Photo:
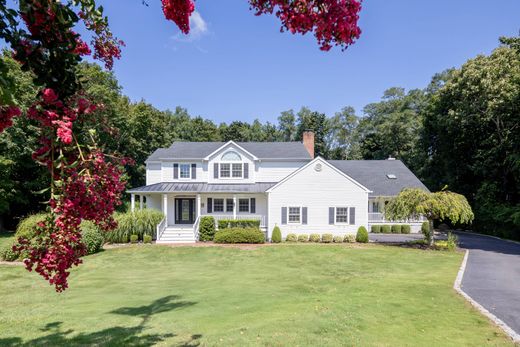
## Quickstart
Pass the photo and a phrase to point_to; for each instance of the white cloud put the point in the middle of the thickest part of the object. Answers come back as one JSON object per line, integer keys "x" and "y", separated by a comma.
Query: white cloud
{"x": 198, "y": 28}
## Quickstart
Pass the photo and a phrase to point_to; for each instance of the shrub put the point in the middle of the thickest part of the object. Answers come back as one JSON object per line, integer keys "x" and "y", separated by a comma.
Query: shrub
{"x": 350, "y": 238}
{"x": 326, "y": 238}
{"x": 449, "y": 245}
{"x": 376, "y": 229}
{"x": 139, "y": 222}
{"x": 277, "y": 235}
{"x": 92, "y": 237}
{"x": 337, "y": 239}
{"x": 425, "y": 229}
{"x": 362, "y": 235}
{"x": 134, "y": 238}
{"x": 314, "y": 238}
{"x": 206, "y": 228}
{"x": 7, "y": 253}
{"x": 406, "y": 229}
{"x": 238, "y": 223}
{"x": 303, "y": 238}
{"x": 26, "y": 227}
{"x": 396, "y": 229}
{"x": 147, "y": 238}
{"x": 239, "y": 235}
{"x": 385, "y": 229}
{"x": 291, "y": 238}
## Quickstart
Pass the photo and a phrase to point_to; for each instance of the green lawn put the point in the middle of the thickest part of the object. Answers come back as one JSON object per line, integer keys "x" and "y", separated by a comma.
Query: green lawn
{"x": 306, "y": 295}
{"x": 6, "y": 239}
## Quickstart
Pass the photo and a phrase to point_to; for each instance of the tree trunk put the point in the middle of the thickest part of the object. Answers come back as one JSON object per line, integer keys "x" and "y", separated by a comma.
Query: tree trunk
{"x": 430, "y": 226}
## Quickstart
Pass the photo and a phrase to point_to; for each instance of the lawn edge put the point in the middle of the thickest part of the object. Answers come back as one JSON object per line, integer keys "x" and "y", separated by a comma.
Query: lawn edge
{"x": 458, "y": 288}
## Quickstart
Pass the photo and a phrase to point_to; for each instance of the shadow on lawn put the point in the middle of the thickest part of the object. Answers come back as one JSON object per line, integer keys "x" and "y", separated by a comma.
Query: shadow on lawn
{"x": 115, "y": 336}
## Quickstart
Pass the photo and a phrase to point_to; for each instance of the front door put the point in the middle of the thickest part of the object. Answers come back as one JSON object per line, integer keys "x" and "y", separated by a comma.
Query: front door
{"x": 184, "y": 211}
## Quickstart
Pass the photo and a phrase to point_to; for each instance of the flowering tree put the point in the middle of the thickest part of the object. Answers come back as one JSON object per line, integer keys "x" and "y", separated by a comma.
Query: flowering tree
{"x": 86, "y": 183}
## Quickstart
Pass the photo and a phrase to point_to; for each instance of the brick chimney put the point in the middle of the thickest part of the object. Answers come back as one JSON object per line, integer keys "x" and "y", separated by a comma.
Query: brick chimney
{"x": 308, "y": 142}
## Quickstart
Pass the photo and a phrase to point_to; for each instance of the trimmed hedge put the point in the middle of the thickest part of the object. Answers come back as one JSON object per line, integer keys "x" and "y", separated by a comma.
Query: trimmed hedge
{"x": 139, "y": 222}
{"x": 406, "y": 229}
{"x": 291, "y": 238}
{"x": 238, "y": 223}
{"x": 277, "y": 235}
{"x": 396, "y": 229}
{"x": 147, "y": 238}
{"x": 362, "y": 235}
{"x": 207, "y": 228}
{"x": 350, "y": 238}
{"x": 303, "y": 238}
{"x": 425, "y": 229}
{"x": 92, "y": 237}
{"x": 239, "y": 235}
{"x": 315, "y": 238}
{"x": 385, "y": 229}
{"x": 326, "y": 238}
{"x": 338, "y": 239}
{"x": 27, "y": 225}
{"x": 134, "y": 238}
{"x": 376, "y": 229}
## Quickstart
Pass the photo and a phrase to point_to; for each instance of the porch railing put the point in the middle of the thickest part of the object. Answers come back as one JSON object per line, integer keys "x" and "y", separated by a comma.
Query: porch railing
{"x": 262, "y": 218}
{"x": 196, "y": 228}
{"x": 378, "y": 217}
{"x": 160, "y": 228}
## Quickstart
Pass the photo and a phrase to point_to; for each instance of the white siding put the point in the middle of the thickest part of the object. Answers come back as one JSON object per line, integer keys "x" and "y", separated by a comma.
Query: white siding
{"x": 153, "y": 173}
{"x": 275, "y": 171}
{"x": 216, "y": 158}
{"x": 318, "y": 190}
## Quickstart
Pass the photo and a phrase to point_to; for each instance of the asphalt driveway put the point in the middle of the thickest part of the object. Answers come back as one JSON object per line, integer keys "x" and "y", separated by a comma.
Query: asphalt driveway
{"x": 492, "y": 276}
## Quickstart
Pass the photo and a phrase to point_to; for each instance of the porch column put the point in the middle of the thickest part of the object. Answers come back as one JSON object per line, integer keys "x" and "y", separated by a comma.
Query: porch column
{"x": 141, "y": 202}
{"x": 198, "y": 206}
{"x": 132, "y": 202}
{"x": 165, "y": 207}
{"x": 234, "y": 206}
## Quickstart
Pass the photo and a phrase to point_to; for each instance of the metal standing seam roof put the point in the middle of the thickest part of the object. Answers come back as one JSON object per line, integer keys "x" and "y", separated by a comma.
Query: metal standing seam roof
{"x": 373, "y": 175}
{"x": 170, "y": 187}
{"x": 262, "y": 150}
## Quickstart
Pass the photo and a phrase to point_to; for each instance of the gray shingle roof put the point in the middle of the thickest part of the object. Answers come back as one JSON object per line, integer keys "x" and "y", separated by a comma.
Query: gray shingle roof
{"x": 167, "y": 187}
{"x": 262, "y": 150}
{"x": 373, "y": 175}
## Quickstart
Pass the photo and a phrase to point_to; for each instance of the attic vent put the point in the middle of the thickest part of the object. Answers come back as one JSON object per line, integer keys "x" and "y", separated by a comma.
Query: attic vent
{"x": 391, "y": 176}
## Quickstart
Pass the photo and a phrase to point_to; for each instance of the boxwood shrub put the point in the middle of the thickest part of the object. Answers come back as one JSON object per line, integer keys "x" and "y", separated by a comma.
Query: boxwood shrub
{"x": 362, "y": 235}
{"x": 376, "y": 229}
{"x": 277, "y": 235}
{"x": 406, "y": 229}
{"x": 147, "y": 238}
{"x": 303, "y": 238}
{"x": 350, "y": 238}
{"x": 239, "y": 235}
{"x": 238, "y": 223}
{"x": 291, "y": 238}
{"x": 385, "y": 229}
{"x": 315, "y": 238}
{"x": 92, "y": 237}
{"x": 338, "y": 239}
{"x": 134, "y": 238}
{"x": 396, "y": 229}
{"x": 326, "y": 238}
{"x": 206, "y": 228}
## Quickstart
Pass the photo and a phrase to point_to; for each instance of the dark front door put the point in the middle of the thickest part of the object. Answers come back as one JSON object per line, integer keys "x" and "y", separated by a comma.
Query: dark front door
{"x": 184, "y": 211}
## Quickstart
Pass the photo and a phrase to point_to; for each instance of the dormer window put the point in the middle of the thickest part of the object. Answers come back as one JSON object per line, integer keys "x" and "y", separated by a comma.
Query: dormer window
{"x": 231, "y": 156}
{"x": 231, "y": 166}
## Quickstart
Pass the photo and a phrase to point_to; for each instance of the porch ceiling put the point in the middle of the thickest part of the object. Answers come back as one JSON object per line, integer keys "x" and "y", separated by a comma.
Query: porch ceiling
{"x": 169, "y": 187}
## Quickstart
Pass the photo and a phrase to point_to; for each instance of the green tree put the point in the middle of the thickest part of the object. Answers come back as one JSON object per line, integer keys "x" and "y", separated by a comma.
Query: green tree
{"x": 236, "y": 131}
{"x": 287, "y": 125}
{"x": 339, "y": 138}
{"x": 316, "y": 122}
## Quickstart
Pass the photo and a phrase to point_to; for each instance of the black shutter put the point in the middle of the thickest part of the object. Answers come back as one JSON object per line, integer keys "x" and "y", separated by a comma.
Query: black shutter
{"x": 331, "y": 215}
{"x": 215, "y": 170}
{"x": 252, "y": 206}
{"x": 246, "y": 170}
{"x": 304, "y": 215}
{"x": 210, "y": 205}
{"x": 352, "y": 215}
{"x": 284, "y": 215}
{"x": 175, "y": 171}
{"x": 193, "y": 171}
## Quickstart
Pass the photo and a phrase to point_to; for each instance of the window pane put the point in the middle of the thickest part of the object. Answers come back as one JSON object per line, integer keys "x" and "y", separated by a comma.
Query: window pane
{"x": 237, "y": 170}
{"x": 229, "y": 205}
{"x": 218, "y": 205}
{"x": 225, "y": 170}
{"x": 243, "y": 205}
{"x": 231, "y": 156}
{"x": 185, "y": 171}
{"x": 341, "y": 214}
{"x": 294, "y": 214}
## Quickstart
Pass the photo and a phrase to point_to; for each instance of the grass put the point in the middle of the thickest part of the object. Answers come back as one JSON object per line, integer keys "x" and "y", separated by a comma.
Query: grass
{"x": 6, "y": 238}
{"x": 306, "y": 295}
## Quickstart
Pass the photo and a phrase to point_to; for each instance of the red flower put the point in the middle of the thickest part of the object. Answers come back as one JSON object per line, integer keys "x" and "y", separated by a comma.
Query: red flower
{"x": 6, "y": 116}
{"x": 49, "y": 96}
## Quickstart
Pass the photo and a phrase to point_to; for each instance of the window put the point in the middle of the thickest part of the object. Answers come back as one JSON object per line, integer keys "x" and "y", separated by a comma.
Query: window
{"x": 218, "y": 205}
{"x": 243, "y": 205}
{"x": 341, "y": 214}
{"x": 229, "y": 205}
{"x": 225, "y": 170}
{"x": 375, "y": 207}
{"x": 237, "y": 170}
{"x": 185, "y": 170}
{"x": 231, "y": 156}
{"x": 391, "y": 176}
{"x": 294, "y": 215}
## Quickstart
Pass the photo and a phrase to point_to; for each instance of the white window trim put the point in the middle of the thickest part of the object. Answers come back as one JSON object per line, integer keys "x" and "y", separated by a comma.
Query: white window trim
{"x": 230, "y": 170}
{"x": 336, "y": 215}
{"x": 248, "y": 205}
{"x": 300, "y": 219}
{"x": 189, "y": 172}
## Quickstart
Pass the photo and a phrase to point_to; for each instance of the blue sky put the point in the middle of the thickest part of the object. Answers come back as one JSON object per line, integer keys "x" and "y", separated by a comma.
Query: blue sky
{"x": 236, "y": 66}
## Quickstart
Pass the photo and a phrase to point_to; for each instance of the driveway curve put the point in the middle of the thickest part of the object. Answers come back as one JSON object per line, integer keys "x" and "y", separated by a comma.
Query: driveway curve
{"x": 492, "y": 276}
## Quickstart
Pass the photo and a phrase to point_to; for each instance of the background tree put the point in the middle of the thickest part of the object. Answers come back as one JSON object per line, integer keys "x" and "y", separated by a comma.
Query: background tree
{"x": 341, "y": 144}
{"x": 316, "y": 122}
{"x": 287, "y": 125}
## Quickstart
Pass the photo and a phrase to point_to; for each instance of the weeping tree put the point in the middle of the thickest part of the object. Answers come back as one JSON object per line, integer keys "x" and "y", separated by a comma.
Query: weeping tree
{"x": 443, "y": 205}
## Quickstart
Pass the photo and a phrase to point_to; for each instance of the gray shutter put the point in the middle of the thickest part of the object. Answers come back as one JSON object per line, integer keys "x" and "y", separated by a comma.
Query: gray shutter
{"x": 215, "y": 170}
{"x": 284, "y": 215}
{"x": 210, "y": 205}
{"x": 331, "y": 215}
{"x": 193, "y": 171}
{"x": 252, "y": 206}
{"x": 175, "y": 171}
{"x": 352, "y": 215}
{"x": 246, "y": 170}
{"x": 304, "y": 215}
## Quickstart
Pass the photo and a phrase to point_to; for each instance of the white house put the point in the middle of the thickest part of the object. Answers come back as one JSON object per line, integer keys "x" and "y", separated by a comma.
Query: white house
{"x": 278, "y": 183}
